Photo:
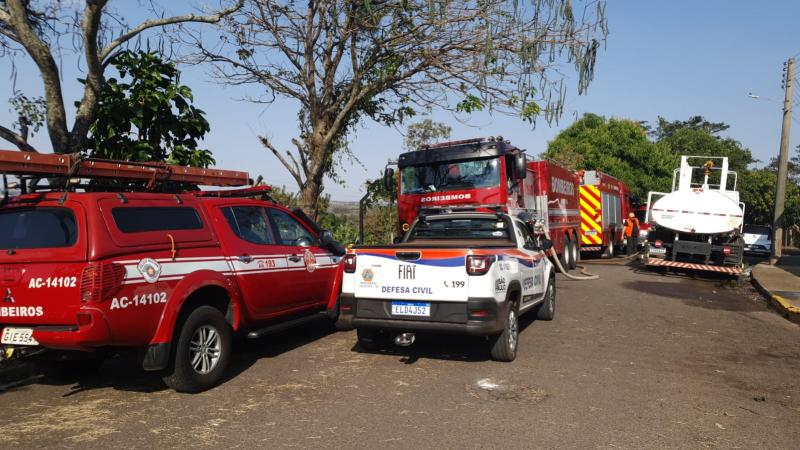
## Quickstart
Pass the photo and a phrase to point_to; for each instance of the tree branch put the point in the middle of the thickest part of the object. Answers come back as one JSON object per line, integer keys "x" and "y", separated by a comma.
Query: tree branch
{"x": 292, "y": 170}
{"x": 154, "y": 23}
{"x": 16, "y": 139}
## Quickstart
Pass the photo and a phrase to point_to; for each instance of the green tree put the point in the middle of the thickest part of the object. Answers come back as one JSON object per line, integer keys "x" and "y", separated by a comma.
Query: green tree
{"x": 619, "y": 147}
{"x": 347, "y": 61}
{"x": 425, "y": 132}
{"x": 40, "y": 31}
{"x": 147, "y": 115}
{"x": 757, "y": 191}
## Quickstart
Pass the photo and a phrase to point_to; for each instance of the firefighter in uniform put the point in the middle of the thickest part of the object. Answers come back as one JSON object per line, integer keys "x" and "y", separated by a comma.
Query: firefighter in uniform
{"x": 632, "y": 233}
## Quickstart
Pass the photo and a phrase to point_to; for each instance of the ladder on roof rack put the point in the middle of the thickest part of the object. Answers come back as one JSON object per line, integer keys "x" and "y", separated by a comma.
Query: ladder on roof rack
{"x": 44, "y": 165}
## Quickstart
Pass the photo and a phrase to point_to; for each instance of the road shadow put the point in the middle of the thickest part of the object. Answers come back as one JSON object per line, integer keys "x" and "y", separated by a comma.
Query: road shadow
{"x": 694, "y": 293}
{"x": 447, "y": 347}
{"x": 123, "y": 370}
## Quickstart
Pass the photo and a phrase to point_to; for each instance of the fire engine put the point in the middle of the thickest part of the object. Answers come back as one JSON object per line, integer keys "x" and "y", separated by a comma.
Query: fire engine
{"x": 605, "y": 203}
{"x": 698, "y": 225}
{"x": 114, "y": 254}
{"x": 489, "y": 174}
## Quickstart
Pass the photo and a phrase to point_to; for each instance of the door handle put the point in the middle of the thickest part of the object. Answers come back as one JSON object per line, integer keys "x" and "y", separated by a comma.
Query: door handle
{"x": 295, "y": 258}
{"x": 245, "y": 258}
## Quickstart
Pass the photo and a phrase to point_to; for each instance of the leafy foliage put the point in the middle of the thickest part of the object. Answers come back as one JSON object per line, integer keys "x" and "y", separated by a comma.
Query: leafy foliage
{"x": 147, "y": 115}
{"x": 619, "y": 147}
{"x": 425, "y": 132}
{"x": 31, "y": 113}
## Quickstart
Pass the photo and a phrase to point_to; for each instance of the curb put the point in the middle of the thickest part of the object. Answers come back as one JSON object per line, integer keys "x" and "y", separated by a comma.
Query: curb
{"x": 780, "y": 304}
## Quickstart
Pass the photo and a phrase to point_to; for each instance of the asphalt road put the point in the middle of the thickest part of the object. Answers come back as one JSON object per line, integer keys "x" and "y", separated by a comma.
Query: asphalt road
{"x": 633, "y": 360}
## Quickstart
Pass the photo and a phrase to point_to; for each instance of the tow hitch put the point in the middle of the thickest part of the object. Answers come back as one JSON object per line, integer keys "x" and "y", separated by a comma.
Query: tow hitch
{"x": 404, "y": 339}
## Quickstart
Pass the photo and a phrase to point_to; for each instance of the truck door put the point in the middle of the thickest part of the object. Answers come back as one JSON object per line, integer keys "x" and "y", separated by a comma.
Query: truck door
{"x": 258, "y": 260}
{"x": 310, "y": 267}
{"x": 533, "y": 269}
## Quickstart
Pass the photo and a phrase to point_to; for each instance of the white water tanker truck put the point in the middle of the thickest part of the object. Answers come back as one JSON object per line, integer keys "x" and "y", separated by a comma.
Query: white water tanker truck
{"x": 697, "y": 226}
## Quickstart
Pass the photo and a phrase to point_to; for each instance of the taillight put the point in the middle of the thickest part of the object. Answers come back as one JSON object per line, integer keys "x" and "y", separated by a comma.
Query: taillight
{"x": 479, "y": 264}
{"x": 350, "y": 263}
{"x": 726, "y": 250}
{"x": 101, "y": 281}
{"x": 658, "y": 244}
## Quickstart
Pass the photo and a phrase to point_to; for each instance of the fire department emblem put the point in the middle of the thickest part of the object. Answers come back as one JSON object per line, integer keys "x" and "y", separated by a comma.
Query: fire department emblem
{"x": 150, "y": 269}
{"x": 8, "y": 298}
{"x": 310, "y": 260}
{"x": 367, "y": 275}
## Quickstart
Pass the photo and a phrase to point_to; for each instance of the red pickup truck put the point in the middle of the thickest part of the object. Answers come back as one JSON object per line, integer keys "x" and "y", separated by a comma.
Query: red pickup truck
{"x": 171, "y": 274}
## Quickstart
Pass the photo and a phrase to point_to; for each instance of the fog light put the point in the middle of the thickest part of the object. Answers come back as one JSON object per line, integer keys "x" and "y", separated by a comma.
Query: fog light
{"x": 479, "y": 313}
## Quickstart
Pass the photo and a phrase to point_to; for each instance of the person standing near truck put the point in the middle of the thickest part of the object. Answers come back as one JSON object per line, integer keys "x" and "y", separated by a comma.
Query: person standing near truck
{"x": 631, "y": 233}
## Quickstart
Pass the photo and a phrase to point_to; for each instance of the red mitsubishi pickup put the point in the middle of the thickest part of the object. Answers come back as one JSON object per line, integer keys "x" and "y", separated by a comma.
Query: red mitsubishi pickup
{"x": 171, "y": 274}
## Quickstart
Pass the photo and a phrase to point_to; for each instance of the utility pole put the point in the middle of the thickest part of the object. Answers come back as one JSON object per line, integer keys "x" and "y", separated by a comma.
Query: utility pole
{"x": 783, "y": 160}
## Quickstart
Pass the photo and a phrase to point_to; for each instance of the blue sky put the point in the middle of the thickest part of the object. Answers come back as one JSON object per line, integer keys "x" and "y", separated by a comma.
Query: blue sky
{"x": 670, "y": 58}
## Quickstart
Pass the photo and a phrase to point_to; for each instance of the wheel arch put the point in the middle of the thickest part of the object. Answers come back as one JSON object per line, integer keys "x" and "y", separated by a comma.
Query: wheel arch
{"x": 204, "y": 287}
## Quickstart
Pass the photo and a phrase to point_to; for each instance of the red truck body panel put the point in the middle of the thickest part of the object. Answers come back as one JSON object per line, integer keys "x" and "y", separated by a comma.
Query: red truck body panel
{"x": 114, "y": 287}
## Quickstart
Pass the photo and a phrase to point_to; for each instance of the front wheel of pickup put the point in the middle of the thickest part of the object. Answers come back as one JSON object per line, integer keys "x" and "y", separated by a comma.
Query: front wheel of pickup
{"x": 202, "y": 351}
{"x": 504, "y": 346}
{"x": 547, "y": 309}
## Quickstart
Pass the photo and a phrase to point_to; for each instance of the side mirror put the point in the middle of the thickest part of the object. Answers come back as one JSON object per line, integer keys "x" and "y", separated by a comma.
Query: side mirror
{"x": 326, "y": 240}
{"x": 545, "y": 244}
{"x": 521, "y": 166}
{"x": 388, "y": 179}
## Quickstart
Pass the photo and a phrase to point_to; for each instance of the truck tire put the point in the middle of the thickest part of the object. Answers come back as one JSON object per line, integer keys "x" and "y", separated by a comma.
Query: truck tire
{"x": 574, "y": 254}
{"x": 564, "y": 257}
{"x": 370, "y": 339}
{"x": 202, "y": 351}
{"x": 610, "y": 251}
{"x": 504, "y": 345}
{"x": 68, "y": 369}
{"x": 547, "y": 309}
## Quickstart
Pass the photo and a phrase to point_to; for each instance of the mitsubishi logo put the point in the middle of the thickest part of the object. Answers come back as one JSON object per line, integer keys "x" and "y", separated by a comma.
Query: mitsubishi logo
{"x": 8, "y": 298}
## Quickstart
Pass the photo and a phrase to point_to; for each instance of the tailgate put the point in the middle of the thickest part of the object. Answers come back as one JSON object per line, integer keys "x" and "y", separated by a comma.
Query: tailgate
{"x": 411, "y": 274}
{"x": 42, "y": 256}
{"x": 40, "y": 293}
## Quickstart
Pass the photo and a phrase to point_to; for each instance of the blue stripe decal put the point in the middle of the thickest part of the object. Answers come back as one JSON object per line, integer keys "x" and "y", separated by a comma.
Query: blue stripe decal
{"x": 458, "y": 261}
{"x": 525, "y": 262}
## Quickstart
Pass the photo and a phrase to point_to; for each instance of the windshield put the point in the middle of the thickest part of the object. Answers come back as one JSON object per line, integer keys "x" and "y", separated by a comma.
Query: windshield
{"x": 449, "y": 176}
{"x": 37, "y": 228}
{"x": 488, "y": 228}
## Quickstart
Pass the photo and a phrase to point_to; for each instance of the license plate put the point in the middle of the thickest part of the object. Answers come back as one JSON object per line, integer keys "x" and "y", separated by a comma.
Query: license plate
{"x": 18, "y": 336}
{"x": 420, "y": 309}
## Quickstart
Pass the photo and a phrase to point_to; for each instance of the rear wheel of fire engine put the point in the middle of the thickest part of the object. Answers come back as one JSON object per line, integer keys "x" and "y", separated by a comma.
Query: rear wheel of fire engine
{"x": 609, "y": 251}
{"x": 69, "y": 369}
{"x": 202, "y": 351}
{"x": 574, "y": 254}
{"x": 564, "y": 258}
{"x": 504, "y": 345}
{"x": 547, "y": 309}
{"x": 371, "y": 339}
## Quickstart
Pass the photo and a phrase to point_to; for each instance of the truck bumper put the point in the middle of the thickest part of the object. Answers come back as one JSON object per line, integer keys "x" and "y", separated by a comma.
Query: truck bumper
{"x": 476, "y": 316}
{"x": 90, "y": 332}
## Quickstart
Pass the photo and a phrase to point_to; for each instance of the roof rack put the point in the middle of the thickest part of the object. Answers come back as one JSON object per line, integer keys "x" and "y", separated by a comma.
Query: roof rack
{"x": 46, "y": 165}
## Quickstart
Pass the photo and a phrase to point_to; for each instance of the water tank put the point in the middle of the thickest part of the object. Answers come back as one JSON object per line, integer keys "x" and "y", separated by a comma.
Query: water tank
{"x": 699, "y": 211}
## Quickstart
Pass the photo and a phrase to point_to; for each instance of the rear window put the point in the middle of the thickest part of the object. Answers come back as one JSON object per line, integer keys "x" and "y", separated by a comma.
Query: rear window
{"x": 37, "y": 228}
{"x": 142, "y": 219}
{"x": 758, "y": 229}
{"x": 489, "y": 228}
